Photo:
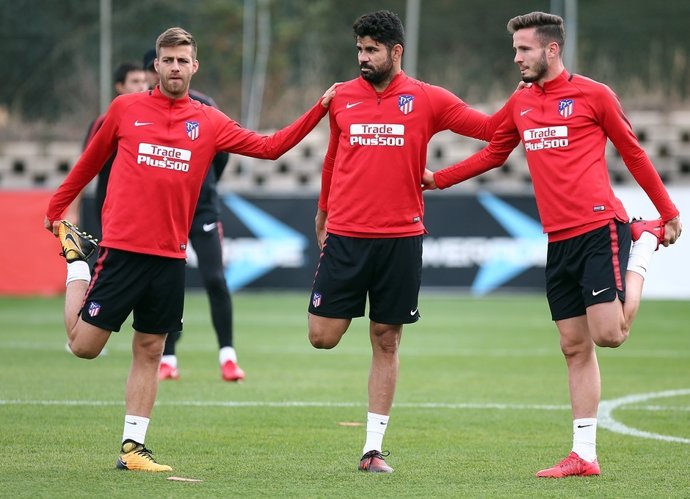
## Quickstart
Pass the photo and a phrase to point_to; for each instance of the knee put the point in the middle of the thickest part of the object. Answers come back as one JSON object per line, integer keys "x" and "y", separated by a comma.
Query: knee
{"x": 612, "y": 335}
{"x": 325, "y": 333}
{"x": 612, "y": 339}
{"x": 84, "y": 352}
{"x": 574, "y": 350}
{"x": 322, "y": 340}
{"x": 386, "y": 339}
{"x": 148, "y": 347}
{"x": 388, "y": 346}
{"x": 216, "y": 283}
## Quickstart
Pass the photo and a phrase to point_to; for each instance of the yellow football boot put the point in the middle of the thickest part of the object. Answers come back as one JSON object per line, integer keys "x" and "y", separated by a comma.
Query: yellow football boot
{"x": 76, "y": 245}
{"x": 136, "y": 457}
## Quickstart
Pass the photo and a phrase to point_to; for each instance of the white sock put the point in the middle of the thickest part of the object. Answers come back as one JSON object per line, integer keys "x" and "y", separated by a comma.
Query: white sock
{"x": 171, "y": 360}
{"x": 135, "y": 429}
{"x": 641, "y": 253}
{"x": 376, "y": 428}
{"x": 226, "y": 354}
{"x": 78, "y": 271}
{"x": 585, "y": 438}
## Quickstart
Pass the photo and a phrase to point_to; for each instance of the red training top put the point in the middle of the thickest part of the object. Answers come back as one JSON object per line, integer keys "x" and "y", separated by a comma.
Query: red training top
{"x": 564, "y": 126}
{"x": 164, "y": 149}
{"x": 372, "y": 172}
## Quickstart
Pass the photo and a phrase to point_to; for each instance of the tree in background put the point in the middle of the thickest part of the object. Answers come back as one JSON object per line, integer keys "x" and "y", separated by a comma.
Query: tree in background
{"x": 51, "y": 51}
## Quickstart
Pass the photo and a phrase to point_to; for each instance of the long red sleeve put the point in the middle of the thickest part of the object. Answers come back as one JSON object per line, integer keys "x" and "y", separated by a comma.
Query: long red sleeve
{"x": 504, "y": 140}
{"x": 328, "y": 164}
{"x": 164, "y": 149}
{"x": 564, "y": 127}
{"x": 619, "y": 130}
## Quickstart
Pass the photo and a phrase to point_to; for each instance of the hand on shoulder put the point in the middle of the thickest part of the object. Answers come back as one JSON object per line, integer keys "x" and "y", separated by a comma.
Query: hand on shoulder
{"x": 329, "y": 94}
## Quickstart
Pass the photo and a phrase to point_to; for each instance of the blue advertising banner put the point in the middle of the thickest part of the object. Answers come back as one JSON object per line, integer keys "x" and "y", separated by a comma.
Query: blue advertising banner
{"x": 479, "y": 243}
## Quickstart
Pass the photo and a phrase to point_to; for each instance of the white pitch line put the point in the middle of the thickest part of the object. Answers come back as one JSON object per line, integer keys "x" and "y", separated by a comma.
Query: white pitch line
{"x": 606, "y": 420}
{"x": 661, "y": 408}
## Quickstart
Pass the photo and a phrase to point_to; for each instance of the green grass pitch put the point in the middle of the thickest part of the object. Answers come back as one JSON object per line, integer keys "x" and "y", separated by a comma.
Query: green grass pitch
{"x": 481, "y": 404}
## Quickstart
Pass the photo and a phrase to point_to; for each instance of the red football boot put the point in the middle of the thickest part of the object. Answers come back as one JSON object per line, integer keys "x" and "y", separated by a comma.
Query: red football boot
{"x": 373, "y": 462}
{"x": 573, "y": 465}
{"x": 654, "y": 227}
{"x": 166, "y": 371}
{"x": 231, "y": 371}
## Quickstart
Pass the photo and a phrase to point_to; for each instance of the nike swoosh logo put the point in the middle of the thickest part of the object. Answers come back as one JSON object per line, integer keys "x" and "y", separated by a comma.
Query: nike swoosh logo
{"x": 584, "y": 425}
{"x": 525, "y": 111}
{"x": 595, "y": 293}
{"x": 350, "y": 106}
{"x": 412, "y": 312}
{"x": 133, "y": 423}
{"x": 76, "y": 249}
{"x": 209, "y": 227}
{"x": 142, "y": 123}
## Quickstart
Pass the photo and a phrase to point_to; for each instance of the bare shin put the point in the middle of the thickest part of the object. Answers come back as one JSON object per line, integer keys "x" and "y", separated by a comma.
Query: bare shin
{"x": 385, "y": 363}
{"x": 142, "y": 383}
{"x": 584, "y": 381}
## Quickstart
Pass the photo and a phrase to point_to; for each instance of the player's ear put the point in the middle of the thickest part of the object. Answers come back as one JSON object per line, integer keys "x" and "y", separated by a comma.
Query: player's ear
{"x": 554, "y": 49}
{"x": 397, "y": 52}
{"x": 195, "y": 66}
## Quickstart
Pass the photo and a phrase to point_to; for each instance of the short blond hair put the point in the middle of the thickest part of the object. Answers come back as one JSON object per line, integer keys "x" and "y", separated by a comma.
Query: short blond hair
{"x": 174, "y": 37}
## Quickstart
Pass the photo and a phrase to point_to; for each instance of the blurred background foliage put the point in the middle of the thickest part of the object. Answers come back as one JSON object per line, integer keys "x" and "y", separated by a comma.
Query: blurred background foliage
{"x": 51, "y": 52}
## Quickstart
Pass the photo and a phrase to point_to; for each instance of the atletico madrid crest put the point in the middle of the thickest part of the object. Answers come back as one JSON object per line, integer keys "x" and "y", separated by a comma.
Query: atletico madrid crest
{"x": 94, "y": 309}
{"x": 565, "y": 107}
{"x": 406, "y": 104}
{"x": 192, "y": 129}
{"x": 316, "y": 300}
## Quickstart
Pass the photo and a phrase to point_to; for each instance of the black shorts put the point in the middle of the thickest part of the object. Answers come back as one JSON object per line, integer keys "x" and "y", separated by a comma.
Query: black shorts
{"x": 150, "y": 286}
{"x": 587, "y": 269}
{"x": 389, "y": 270}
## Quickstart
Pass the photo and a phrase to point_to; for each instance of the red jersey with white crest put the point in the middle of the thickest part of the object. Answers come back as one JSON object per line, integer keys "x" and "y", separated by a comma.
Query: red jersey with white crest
{"x": 564, "y": 126}
{"x": 164, "y": 149}
{"x": 372, "y": 172}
